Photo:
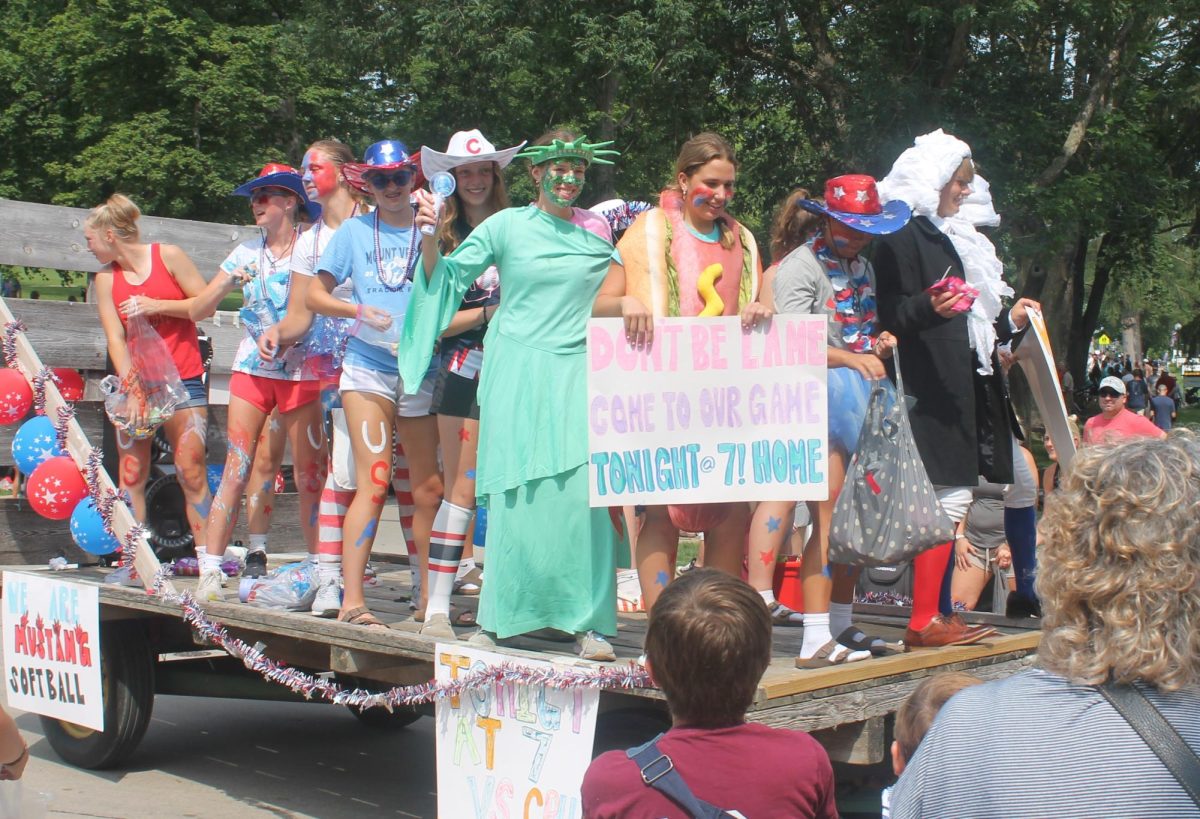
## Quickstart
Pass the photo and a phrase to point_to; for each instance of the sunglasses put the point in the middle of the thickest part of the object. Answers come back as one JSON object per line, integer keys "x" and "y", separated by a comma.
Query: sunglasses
{"x": 1109, "y": 393}
{"x": 379, "y": 180}
{"x": 266, "y": 193}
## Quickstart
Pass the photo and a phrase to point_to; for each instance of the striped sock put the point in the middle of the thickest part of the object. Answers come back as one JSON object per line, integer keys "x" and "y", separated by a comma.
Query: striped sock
{"x": 331, "y": 513}
{"x": 445, "y": 550}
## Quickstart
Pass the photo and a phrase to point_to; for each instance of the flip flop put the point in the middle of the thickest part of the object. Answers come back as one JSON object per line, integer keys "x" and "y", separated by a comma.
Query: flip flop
{"x": 854, "y": 638}
{"x": 466, "y": 617}
{"x": 830, "y": 654}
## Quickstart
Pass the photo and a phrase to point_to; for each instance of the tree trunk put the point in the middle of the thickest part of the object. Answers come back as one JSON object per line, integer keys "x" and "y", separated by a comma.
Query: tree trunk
{"x": 1131, "y": 332}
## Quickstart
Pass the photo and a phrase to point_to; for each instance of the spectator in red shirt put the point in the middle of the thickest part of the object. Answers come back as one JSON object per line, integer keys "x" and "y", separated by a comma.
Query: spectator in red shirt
{"x": 708, "y": 643}
{"x": 1114, "y": 421}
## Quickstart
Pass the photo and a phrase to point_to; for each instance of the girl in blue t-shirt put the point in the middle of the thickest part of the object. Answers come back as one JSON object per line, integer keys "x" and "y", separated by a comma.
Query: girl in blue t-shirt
{"x": 377, "y": 254}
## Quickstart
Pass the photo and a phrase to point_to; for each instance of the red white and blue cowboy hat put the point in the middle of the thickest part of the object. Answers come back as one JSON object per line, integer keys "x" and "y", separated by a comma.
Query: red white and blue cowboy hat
{"x": 853, "y": 200}
{"x": 385, "y": 155}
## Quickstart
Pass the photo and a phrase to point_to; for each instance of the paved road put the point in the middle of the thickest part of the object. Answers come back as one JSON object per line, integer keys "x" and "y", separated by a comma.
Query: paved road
{"x": 240, "y": 758}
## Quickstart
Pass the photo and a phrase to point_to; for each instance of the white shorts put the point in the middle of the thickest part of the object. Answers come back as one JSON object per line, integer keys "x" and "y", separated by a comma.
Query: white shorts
{"x": 387, "y": 385}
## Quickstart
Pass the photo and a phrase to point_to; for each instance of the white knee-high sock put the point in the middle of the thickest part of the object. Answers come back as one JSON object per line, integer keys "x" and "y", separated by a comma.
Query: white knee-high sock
{"x": 445, "y": 550}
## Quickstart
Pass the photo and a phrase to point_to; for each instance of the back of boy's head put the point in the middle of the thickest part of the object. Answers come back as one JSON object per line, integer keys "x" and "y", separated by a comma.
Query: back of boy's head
{"x": 922, "y": 706}
{"x": 708, "y": 643}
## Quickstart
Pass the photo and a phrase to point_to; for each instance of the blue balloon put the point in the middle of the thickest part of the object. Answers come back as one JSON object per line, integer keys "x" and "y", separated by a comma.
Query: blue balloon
{"x": 214, "y": 477}
{"x": 87, "y": 528}
{"x": 35, "y": 442}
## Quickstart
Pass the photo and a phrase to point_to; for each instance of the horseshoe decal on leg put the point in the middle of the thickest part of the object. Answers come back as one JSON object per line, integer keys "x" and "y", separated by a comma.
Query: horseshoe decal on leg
{"x": 320, "y": 441}
{"x": 123, "y": 441}
{"x": 375, "y": 448}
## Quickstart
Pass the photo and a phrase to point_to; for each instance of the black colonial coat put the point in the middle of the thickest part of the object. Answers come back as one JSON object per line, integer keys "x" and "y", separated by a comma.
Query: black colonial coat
{"x": 962, "y": 421}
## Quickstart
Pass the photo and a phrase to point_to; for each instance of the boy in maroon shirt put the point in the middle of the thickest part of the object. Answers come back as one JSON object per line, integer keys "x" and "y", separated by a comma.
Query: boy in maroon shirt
{"x": 708, "y": 643}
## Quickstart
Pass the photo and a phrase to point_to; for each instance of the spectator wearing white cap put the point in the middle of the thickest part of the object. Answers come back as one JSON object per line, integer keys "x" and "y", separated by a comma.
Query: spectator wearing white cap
{"x": 1115, "y": 421}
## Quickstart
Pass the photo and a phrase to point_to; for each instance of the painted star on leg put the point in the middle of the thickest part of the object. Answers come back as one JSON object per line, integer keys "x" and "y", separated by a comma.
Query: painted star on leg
{"x": 661, "y": 579}
{"x": 773, "y": 524}
{"x": 766, "y": 557}
{"x": 464, "y": 435}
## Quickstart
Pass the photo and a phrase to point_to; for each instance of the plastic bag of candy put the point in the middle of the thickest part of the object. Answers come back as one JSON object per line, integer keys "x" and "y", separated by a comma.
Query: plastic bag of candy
{"x": 147, "y": 396}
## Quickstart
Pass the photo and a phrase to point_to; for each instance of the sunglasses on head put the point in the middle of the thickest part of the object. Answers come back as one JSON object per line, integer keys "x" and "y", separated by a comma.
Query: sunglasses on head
{"x": 380, "y": 179}
{"x": 1109, "y": 393}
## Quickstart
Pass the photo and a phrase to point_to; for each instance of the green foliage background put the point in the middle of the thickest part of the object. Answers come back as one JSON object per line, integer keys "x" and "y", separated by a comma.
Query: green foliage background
{"x": 1084, "y": 114}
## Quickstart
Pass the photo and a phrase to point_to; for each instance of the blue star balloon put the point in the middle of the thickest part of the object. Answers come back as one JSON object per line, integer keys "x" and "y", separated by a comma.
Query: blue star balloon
{"x": 35, "y": 442}
{"x": 87, "y": 529}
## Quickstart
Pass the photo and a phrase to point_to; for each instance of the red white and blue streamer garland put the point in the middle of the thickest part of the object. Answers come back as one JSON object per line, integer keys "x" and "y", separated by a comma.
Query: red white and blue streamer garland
{"x": 625, "y": 677}
{"x": 312, "y": 687}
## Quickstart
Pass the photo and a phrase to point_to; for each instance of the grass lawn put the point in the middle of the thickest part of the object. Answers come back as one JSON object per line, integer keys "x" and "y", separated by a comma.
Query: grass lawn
{"x": 49, "y": 285}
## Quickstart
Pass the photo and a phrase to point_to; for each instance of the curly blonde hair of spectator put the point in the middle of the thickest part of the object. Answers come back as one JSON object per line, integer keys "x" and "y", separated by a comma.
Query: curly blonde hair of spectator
{"x": 1119, "y": 568}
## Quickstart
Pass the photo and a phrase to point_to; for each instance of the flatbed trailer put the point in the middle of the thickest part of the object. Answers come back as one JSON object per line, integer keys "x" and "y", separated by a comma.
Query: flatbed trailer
{"x": 148, "y": 648}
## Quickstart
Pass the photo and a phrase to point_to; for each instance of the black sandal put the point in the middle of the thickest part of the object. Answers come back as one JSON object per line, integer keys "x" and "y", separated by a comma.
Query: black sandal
{"x": 854, "y": 638}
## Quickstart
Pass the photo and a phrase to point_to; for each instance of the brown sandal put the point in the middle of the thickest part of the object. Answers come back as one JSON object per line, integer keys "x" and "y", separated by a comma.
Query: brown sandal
{"x": 361, "y": 616}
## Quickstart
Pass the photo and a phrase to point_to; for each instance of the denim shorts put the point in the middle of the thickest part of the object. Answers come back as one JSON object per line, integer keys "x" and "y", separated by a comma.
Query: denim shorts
{"x": 197, "y": 393}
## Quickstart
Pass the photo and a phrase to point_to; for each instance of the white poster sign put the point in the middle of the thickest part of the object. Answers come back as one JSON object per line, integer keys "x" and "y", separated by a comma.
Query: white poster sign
{"x": 708, "y": 412}
{"x": 52, "y": 648}
{"x": 510, "y": 749}
{"x": 1036, "y": 358}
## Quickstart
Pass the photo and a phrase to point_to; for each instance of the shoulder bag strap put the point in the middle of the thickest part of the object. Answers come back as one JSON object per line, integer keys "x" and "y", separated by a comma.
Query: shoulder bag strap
{"x": 1158, "y": 734}
{"x": 659, "y": 772}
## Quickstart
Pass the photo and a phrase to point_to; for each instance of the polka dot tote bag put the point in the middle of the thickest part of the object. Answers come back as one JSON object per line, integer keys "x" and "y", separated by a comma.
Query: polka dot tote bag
{"x": 887, "y": 511}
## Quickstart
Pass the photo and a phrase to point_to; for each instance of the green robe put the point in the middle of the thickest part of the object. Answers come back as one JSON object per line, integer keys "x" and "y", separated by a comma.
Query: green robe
{"x": 550, "y": 557}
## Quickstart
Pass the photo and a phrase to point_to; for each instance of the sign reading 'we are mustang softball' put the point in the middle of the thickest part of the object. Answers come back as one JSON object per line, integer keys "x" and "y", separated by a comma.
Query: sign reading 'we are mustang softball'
{"x": 52, "y": 648}
{"x": 708, "y": 412}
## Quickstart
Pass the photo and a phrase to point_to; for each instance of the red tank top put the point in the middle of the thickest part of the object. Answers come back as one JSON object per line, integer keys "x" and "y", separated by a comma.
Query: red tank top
{"x": 179, "y": 333}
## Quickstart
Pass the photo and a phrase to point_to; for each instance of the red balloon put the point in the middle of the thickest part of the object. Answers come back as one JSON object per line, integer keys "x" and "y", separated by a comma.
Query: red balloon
{"x": 70, "y": 383}
{"x": 16, "y": 396}
{"x": 55, "y": 488}
{"x": 697, "y": 517}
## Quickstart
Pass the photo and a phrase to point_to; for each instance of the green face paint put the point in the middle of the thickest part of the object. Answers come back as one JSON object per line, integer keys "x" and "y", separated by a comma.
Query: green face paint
{"x": 550, "y": 180}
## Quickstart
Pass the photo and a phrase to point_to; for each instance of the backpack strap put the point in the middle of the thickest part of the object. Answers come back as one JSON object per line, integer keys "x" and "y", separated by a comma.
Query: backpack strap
{"x": 1158, "y": 734}
{"x": 659, "y": 772}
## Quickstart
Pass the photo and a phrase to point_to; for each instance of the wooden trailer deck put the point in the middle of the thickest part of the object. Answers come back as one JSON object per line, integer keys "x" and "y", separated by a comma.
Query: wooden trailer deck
{"x": 847, "y": 706}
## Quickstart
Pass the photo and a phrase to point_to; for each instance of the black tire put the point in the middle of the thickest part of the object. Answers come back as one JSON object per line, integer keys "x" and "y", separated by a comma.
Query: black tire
{"x": 127, "y": 672}
{"x": 624, "y": 728}
{"x": 166, "y": 518}
{"x": 380, "y": 719}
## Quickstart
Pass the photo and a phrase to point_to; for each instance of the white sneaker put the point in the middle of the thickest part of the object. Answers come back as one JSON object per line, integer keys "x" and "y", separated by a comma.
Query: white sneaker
{"x": 328, "y": 601}
{"x": 211, "y": 583}
{"x": 593, "y": 646}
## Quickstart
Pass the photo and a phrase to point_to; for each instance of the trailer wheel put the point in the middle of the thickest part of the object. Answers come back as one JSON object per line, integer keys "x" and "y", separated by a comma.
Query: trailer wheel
{"x": 127, "y": 679}
{"x": 380, "y": 719}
